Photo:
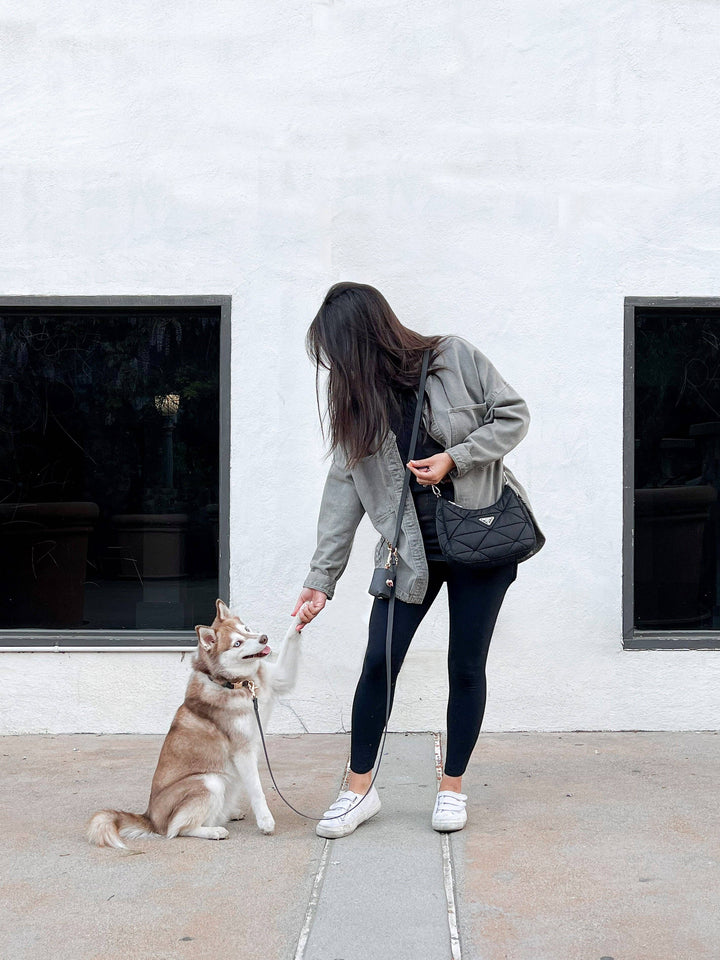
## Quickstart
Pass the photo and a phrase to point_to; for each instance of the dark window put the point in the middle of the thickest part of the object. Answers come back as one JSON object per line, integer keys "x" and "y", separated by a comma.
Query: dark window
{"x": 677, "y": 469}
{"x": 109, "y": 462}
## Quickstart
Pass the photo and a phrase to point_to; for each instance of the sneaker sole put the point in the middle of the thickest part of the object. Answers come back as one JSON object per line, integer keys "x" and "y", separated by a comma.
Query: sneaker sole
{"x": 330, "y": 833}
{"x": 448, "y": 827}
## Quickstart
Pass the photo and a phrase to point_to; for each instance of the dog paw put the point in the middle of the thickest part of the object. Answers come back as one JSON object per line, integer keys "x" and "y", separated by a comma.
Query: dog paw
{"x": 266, "y": 824}
{"x": 218, "y": 833}
{"x": 238, "y": 815}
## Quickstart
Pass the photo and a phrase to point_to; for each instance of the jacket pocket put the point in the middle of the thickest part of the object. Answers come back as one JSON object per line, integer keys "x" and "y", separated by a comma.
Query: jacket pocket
{"x": 465, "y": 419}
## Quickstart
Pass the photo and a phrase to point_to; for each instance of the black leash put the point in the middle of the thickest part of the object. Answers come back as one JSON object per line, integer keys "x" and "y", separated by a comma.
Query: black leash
{"x": 309, "y": 816}
{"x": 390, "y": 617}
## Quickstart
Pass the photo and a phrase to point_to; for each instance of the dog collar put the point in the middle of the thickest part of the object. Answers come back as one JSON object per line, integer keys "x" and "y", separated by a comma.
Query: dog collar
{"x": 236, "y": 684}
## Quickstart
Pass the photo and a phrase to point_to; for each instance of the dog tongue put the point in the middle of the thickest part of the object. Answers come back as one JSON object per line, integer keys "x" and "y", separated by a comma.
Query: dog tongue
{"x": 261, "y": 653}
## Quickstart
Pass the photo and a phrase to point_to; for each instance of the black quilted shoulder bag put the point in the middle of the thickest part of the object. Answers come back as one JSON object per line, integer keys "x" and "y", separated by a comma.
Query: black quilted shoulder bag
{"x": 486, "y": 537}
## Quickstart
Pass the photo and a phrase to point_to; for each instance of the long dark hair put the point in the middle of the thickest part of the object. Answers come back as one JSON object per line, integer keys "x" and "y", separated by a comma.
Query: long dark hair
{"x": 371, "y": 358}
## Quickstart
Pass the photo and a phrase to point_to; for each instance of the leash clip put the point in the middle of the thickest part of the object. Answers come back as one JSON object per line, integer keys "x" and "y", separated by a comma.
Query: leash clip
{"x": 250, "y": 684}
{"x": 392, "y": 556}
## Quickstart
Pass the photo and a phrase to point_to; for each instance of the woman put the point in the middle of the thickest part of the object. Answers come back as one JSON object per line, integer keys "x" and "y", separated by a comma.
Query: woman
{"x": 471, "y": 418}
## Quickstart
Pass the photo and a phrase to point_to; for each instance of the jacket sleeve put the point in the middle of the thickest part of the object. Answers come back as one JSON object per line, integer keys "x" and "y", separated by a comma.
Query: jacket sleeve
{"x": 505, "y": 423}
{"x": 340, "y": 513}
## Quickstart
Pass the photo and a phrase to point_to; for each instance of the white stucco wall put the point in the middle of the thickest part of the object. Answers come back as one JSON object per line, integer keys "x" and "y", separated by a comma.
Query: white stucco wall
{"x": 506, "y": 172}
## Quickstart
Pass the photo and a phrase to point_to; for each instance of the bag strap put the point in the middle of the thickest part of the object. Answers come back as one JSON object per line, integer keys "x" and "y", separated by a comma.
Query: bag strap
{"x": 413, "y": 441}
{"x": 393, "y": 551}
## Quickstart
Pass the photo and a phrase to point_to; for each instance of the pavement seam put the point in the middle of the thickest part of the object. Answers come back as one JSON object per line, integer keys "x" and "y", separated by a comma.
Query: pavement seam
{"x": 312, "y": 903}
{"x": 448, "y": 872}
{"x": 314, "y": 898}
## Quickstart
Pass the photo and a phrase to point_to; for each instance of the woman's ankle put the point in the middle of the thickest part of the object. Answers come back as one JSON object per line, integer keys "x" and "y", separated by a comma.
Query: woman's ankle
{"x": 359, "y": 782}
{"x": 451, "y": 783}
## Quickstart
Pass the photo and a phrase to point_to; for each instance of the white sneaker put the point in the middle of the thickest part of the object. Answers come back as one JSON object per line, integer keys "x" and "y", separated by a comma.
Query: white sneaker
{"x": 348, "y": 813}
{"x": 449, "y": 813}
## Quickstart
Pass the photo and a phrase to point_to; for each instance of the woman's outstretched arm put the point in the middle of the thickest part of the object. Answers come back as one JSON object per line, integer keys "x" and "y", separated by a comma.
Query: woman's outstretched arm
{"x": 340, "y": 513}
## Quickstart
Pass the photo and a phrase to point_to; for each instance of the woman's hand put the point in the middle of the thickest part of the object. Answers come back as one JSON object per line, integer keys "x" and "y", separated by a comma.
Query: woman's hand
{"x": 432, "y": 469}
{"x": 309, "y": 604}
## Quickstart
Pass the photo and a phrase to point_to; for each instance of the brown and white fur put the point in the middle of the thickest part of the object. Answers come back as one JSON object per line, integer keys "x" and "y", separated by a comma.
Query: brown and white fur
{"x": 208, "y": 763}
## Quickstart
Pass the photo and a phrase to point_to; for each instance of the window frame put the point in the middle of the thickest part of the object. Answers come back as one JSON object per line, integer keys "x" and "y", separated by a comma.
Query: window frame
{"x": 33, "y": 640}
{"x": 647, "y": 639}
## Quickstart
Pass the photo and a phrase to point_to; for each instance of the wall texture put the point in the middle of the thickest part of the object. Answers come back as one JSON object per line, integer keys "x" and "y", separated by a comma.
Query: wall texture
{"x": 506, "y": 172}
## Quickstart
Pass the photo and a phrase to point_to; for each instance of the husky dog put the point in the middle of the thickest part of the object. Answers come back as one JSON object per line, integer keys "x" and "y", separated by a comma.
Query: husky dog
{"x": 208, "y": 763}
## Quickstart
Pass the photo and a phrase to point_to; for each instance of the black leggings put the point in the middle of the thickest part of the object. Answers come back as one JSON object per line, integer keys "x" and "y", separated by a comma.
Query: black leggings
{"x": 474, "y": 599}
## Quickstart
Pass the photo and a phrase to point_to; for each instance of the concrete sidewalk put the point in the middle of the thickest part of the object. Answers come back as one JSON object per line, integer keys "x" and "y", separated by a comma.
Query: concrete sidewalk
{"x": 579, "y": 846}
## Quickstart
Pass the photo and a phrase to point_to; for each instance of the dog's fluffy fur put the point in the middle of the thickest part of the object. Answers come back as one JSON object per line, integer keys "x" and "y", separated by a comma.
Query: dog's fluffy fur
{"x": 208, "y": 763}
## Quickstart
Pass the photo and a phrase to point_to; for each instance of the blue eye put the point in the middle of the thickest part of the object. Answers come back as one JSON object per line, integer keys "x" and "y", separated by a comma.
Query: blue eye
{"x": 237, "y": 643}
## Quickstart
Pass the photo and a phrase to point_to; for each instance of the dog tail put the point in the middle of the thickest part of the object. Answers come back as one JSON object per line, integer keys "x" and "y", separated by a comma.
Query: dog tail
{"x": 106, "y": 828}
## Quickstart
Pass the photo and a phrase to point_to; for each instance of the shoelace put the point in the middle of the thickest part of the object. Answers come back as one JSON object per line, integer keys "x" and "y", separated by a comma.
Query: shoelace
{"x": 339, "y": 806}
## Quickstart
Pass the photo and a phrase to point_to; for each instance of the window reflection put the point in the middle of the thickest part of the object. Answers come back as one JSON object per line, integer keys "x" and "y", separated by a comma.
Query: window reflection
{"x": 108, "y": 467}
{"x": 677, "y": 469}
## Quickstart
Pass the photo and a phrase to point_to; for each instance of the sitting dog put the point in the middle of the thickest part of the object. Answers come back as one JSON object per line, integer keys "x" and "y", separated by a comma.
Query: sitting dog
{"x": 209, "y": 758}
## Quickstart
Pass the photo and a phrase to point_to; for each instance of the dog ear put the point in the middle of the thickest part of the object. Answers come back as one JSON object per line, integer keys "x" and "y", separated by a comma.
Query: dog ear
{"x": 206, "y": 637}
{"x": 223, "y": 613}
